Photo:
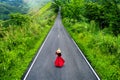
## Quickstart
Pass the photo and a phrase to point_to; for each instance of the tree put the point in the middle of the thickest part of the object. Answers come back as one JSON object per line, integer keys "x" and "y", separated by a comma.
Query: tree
{"x": 73, "y": 9}
{"x": 106, "y": 13}
{"x": 19, "y": 19}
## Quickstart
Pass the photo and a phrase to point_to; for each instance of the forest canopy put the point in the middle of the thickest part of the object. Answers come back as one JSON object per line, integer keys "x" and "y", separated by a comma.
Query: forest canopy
{"x": 95, "y": 27}
{"x": 106, "y": 13}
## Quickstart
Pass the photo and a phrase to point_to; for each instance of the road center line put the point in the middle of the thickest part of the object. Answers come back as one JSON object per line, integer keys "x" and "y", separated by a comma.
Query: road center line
{"x": 58, "y": 35}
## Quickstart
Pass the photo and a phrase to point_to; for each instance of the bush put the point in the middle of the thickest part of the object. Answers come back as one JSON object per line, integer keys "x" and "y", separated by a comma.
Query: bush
{"x": 101, "y": 49}
{"x": 20, "y": 41}
{"x": 106, "y": 15}
{"x": 19, "y": 19}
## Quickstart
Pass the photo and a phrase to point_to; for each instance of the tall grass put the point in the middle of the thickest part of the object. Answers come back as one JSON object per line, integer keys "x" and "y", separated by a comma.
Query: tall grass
{"x": 101, "y": 48}
{"x": 18, "y": 44}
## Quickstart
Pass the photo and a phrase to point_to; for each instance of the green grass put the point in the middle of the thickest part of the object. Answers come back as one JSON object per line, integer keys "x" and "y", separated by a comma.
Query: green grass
{"x": 19, "y": 44}
{"x": 101, "y": 48}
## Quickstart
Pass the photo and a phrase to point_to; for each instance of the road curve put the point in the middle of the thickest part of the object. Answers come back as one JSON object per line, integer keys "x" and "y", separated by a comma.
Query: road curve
{"x": 76, "y": 66}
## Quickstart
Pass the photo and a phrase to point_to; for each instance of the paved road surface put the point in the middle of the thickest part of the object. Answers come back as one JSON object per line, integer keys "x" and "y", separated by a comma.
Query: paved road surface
{"x": 75, "y": 68}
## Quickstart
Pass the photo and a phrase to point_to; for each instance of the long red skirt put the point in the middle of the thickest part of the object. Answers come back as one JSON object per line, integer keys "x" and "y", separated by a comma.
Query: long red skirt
{"x": 59, "y": 62}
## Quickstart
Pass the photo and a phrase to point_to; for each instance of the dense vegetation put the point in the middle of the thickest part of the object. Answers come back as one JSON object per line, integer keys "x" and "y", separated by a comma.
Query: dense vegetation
{"x": 22, "y": 6}
{"x": 95, "y": 26}
{"x": 11, "y": 6}
{"x": 16, "y": 3}
{"x": 20, "y": 38}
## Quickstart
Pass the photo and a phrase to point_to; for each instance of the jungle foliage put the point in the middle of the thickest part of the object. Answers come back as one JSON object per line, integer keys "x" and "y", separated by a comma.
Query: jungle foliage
{"x": 95, "y": 26}
{"x": 106, "y": 13}
{"x": 20, "y": 38}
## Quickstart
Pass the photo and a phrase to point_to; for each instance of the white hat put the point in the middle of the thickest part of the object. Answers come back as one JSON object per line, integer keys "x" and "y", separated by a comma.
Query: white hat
{"x": 58, "y": 51}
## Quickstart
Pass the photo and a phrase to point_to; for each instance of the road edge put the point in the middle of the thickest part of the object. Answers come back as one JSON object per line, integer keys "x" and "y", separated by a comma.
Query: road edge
{"x": 36, "y": 56}
{"x": 86, "y": 60}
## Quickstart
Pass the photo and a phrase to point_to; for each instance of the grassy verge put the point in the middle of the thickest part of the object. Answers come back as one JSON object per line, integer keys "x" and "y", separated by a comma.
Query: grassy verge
{"x": 101, "y": 48}
{"x": 19, "y": 43}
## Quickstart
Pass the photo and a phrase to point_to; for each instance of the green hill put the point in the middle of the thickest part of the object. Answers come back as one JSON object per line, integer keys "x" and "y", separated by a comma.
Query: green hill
{"x": 95, "y": 27}
{"x": 7, "y": 7}
{"x": 20, "y": 6}
{"x": 20, "y": 38}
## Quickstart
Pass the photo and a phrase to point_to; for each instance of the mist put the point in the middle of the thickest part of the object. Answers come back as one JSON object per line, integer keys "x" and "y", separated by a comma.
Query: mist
{"x": 35, "y": 4}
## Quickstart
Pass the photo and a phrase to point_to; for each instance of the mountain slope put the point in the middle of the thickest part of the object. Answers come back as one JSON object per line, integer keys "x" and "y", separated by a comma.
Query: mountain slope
{"x": 11, "y": 6}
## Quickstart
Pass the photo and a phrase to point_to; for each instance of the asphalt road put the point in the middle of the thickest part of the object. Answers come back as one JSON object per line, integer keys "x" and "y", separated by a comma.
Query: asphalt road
{"x": 76, "y": 66}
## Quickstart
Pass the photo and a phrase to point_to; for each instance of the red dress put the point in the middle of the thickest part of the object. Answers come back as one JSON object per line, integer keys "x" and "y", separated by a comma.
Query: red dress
{"x": 59, "y": 62}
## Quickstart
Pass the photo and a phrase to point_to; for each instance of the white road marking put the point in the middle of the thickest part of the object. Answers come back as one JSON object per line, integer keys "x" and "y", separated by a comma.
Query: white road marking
{"x": 58, "y": 35}
{"x": 36, "y": 56}
{"x": 86, "y": 60}
{"x": 41, "y": 49}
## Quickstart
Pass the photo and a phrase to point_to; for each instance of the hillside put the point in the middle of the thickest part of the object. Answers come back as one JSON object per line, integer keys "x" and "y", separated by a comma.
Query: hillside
{"x": 95, "y": 27}
{"x": 11, "y": 6}
{"x": 12, "y": 2}
{"x": 20, "y": 38}
{"x": 20, "y": 6}
{"x": 6, "y": 9}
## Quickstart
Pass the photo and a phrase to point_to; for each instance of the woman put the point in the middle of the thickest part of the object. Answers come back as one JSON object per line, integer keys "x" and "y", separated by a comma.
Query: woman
{"x": 59, "y": 61}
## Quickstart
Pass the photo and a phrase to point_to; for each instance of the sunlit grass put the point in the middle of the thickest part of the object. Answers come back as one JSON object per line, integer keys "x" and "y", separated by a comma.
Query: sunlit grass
{"x": 19, "y": 44}
{"x": 101, "y": 48}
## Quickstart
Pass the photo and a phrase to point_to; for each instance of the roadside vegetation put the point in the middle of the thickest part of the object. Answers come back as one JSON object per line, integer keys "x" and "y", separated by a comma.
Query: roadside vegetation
{"x": 95, "y": 27}
{"x": 20, "y": 37}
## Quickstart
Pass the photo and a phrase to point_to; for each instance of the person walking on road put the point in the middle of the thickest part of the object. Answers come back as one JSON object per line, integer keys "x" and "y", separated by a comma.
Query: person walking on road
{"x": 59, "y": 61}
